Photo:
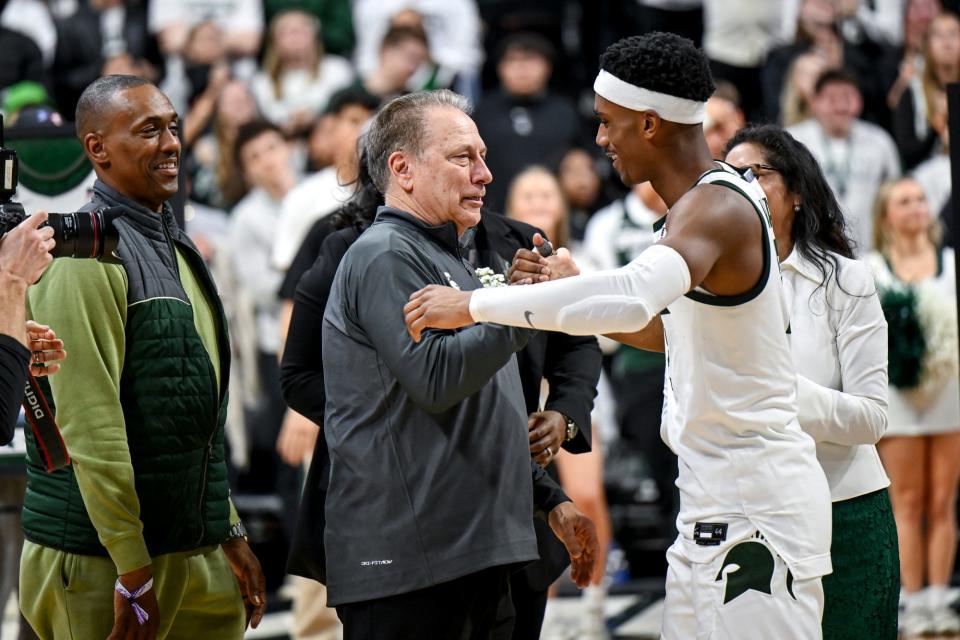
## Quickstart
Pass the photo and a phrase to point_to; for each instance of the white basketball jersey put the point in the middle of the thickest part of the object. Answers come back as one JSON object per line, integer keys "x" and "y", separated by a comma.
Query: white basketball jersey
{"x": 730, "y": 415}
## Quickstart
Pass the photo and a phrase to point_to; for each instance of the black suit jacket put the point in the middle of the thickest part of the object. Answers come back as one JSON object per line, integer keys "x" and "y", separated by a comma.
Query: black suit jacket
{"x": 571, "y": 364}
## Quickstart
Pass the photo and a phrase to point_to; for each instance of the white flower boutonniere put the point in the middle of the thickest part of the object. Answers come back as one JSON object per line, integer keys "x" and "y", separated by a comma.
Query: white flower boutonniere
{"x": 490, "y": 278}
{"x": 453, "y": 283}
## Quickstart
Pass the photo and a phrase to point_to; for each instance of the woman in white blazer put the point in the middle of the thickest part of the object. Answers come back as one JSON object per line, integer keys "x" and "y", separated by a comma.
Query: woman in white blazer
{"x": 838, "y": 338}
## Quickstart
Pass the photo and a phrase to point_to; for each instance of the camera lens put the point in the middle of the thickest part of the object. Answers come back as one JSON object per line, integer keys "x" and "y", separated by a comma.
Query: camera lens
{"x": 83, "y": 234}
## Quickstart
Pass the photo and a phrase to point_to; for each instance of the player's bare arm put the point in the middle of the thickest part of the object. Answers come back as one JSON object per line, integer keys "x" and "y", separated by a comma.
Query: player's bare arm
{"x": 718, "y": 234}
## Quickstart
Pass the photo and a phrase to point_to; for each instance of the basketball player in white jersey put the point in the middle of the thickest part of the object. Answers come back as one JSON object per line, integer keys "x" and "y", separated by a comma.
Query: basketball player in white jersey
{"x": 754, "y": 522}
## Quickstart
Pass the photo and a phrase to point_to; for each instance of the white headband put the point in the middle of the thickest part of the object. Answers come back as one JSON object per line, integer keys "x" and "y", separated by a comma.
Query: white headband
{"x": 637, "y": 98}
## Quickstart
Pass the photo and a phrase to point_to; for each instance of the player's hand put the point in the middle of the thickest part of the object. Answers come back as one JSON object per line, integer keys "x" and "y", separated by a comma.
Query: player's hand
{"x": 25, "y": 249}
{"x": 125, "y": 623}
{"x": 547, "y": 431}
{"x": 298, "y": 436}
{"x": 249, "y": 575}
{"x": 579, "y": 536}
{"x": 529, "y": 267}
{"x": 46, "y": 349}
{"x": 437, "y": 307}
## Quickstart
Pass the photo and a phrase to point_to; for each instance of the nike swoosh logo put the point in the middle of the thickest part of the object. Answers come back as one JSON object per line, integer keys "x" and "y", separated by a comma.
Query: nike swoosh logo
{"x": 527, "y": 315}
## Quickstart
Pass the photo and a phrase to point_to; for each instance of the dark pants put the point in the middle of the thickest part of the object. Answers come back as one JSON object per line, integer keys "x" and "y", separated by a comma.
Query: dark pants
{"x": 468, "y": 608}
{"x": 529, "y": 605}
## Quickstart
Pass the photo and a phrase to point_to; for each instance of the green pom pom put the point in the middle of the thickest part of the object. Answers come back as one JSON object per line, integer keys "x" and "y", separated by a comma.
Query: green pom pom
{"x": 906, "y": 341}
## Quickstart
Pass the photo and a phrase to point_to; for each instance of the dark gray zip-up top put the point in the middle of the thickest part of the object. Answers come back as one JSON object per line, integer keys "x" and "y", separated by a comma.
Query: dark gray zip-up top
{"x": 430, "y": 464}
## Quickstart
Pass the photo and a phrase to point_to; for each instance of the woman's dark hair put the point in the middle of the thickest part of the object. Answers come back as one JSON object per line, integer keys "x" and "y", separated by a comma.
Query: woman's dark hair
{"x": 360, "y": 210}
{"x": 819, "y": 226}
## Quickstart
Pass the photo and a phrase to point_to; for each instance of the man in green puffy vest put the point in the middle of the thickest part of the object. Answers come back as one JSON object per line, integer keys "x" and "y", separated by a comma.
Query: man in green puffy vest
{"x": 137, "y": 538}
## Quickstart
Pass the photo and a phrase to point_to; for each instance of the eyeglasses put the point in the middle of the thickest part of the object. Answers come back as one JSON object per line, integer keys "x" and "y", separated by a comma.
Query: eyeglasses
{"x": 758, "y": 170}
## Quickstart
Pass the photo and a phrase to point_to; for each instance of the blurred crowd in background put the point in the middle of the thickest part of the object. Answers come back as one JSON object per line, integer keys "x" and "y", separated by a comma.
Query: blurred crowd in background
{"x": 274, "y": 94}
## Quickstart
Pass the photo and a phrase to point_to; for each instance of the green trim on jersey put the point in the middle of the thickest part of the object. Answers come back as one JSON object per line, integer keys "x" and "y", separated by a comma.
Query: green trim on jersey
{"x": 753, "y": 292}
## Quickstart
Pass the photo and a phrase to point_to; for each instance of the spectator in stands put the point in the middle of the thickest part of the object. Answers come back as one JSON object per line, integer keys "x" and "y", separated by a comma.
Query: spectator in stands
{"x": 877, "y": 23}
{"x": 582, "y": 189}
{"x": 194, "y": 78}
{"x": 737, "y": 36}
{"x": 336, "y": 23}
{"x": 102, "y": 37}
{"x": 934, "y": 174}
{"x": 723, "y": 119}
{"x": 817, "y": 31}
{"x": 524, "y": 122}
{"x": 264, "y": 159}
{"x": 327, "y": 190}
{"x": 921, "y": 448}
{"x": 403, "y": 51}
{"x": 452, "y": 28}
{"x": 798, "y": 90}
{"x": 320, "y": 147}
{"x": 298, "y": 78}
{"x": 917, "y": 17}
{"x": 535, "y": 198}
{"x": 240, "y": 20}
{"x": 216, "y": 180}
{"x": 915, "y": 136}
{"x": 856, "y": 156}
{"x": 263, "y": 156}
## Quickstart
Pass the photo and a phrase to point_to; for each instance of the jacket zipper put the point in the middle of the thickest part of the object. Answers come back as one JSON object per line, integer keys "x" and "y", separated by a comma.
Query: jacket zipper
{"x": 208, "y": 451}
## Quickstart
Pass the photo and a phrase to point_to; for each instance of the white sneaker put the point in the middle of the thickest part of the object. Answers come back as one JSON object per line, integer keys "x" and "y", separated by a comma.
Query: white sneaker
{"x": 915, "y": 618}
{"x": 944, "y": 620}
{"x": 593, "y": 624}
{"x": 943, "y": 617}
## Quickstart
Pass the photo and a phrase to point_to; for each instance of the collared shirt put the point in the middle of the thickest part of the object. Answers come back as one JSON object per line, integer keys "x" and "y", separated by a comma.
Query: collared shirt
{"x": 838, "y": 337}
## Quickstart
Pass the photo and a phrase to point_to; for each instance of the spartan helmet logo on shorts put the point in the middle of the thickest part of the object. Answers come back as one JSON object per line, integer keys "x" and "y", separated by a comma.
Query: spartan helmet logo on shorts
{"x": 750, "y": 565}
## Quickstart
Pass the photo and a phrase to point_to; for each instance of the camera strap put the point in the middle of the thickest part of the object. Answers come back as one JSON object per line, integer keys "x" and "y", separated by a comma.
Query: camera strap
{"x": 46, "y": 433}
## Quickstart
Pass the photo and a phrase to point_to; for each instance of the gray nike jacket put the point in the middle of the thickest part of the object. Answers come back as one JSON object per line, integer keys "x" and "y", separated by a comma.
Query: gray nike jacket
{"x": 430, "y": 476}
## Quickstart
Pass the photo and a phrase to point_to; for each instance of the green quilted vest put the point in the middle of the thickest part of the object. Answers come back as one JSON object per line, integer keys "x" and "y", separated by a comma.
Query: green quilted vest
{"x": 173, "y": 410}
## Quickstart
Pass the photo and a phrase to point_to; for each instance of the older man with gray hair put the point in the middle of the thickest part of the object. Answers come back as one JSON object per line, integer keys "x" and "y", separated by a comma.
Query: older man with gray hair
{"x": 430, "y": 494}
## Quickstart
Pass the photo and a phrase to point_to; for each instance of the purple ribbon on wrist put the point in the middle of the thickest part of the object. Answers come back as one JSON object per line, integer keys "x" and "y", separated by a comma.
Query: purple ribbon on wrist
{"x": 131, "y": 597}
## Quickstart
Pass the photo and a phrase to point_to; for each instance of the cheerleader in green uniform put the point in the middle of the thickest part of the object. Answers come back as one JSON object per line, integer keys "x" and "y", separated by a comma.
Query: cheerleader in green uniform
{"x": 921, "y": 449}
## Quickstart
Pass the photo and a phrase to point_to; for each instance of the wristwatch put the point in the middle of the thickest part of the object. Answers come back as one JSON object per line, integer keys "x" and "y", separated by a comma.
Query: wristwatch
{"x": 237, "y": 531}
{"x": 572, "y": 429}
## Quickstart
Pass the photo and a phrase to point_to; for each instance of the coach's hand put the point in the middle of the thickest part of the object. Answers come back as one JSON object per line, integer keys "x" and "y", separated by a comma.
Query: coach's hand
{"x": 125, "y": 623}
{"x": 249, "y": 575}
{"x": 529, "y": 267}
{"x": 579, "y": 536}
{"x": 547, "y": 431}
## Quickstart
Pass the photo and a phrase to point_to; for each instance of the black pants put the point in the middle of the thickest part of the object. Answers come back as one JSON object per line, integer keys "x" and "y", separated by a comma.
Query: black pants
{"x": 529, "y": 605}
{"x": 468, "y": 608}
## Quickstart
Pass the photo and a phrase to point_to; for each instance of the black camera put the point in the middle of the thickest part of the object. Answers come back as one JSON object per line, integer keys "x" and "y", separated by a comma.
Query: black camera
{"x": 82, "y": 234}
